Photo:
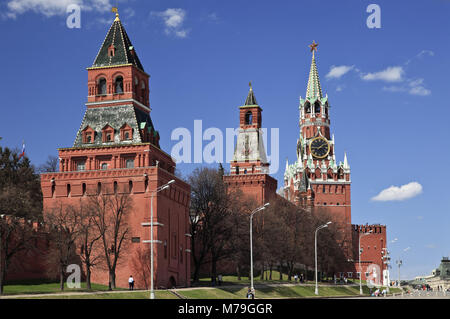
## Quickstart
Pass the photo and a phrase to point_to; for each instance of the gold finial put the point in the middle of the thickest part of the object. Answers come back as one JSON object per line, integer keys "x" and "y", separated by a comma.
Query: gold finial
{"x": 114, "y": 9}
{"x": 313, "y": 47}
{"x": 250, "y": 84}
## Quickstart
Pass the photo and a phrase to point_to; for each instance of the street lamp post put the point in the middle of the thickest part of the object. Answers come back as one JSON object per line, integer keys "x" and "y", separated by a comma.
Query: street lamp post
{"x": 251, "y": 243}
{"x": 399, "y": 263}
{"x": 386, "y": 260}
{"x": 315, "y": 249}
{"x": 151, "y": 241}
{"x": 359, "y": 253}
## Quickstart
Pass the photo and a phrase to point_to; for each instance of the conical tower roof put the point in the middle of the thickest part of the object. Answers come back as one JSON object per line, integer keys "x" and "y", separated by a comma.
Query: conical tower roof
{"x": 124, "y": 52}
{"x": 314, "y": 90}
{"x": 250, "y": 100}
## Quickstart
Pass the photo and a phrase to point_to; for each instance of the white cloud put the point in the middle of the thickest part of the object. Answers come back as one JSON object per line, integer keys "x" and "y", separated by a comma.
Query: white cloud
{"x": 46, "y": 7}
{"x": 173, "y": 19}
{"x": 337, "y": 71}
{"x": 51, "y": 8}
{"x": 413, "y": 87}
{"x": 425, "y": 52}
{"x": 419, "y": 90}
{"x": 395, "y": 193}
{"x": 391, "y": 74}
{"x": 339, "y": 88}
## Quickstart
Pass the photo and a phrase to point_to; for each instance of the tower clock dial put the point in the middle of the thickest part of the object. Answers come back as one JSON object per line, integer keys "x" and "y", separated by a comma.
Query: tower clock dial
{"x": 319, "y": 147}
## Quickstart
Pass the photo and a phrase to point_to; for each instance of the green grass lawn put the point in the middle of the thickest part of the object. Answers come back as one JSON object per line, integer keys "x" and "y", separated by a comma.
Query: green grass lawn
{"x": 232, "y": 280}
{"x": 46, "y": 287}
{"x": 162, "y": 294}
{"x": 297, "y": 291}
{"x": 230, "y": 289}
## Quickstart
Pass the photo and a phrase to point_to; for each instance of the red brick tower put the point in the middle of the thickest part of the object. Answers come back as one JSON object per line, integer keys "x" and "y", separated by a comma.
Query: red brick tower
{"x": 249, "y": 169}
{"x": 117, "y": 149}
{"x": 316, "y": 178}
{"x": 373, "y": 248}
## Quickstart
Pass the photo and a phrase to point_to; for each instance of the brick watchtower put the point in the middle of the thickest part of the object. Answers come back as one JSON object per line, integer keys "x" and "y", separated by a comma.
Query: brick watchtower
{"x": 249, "y": 169}
{"x": 316, "y": 178}
{"x": 117, "y": 149}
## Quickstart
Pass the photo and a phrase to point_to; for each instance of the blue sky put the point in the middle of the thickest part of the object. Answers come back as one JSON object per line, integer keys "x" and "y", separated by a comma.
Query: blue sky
{"x": 387, "y": 88}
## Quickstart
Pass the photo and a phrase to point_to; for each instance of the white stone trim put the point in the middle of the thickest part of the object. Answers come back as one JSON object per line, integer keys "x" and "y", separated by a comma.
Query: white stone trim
{"x": 152, "y": 241}
{"x": 150, "y": 224}
{"x": 120, "y": 101}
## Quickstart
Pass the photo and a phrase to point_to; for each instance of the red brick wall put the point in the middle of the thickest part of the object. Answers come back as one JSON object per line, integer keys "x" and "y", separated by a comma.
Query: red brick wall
{"x": 170, "y": 210}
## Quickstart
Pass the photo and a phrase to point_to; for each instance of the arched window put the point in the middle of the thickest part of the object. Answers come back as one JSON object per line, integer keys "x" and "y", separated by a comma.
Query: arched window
{"x": 143, "y": 90}
{"x": 104, "y": 166}
{"x": 245, "y": 171}
{"x": 248, "y": 118}
{"x": 102, "y": 86}
{"x": 317, "y": 107}
{"x": 99, "y": 188}
{"x": 68, "y": 190}
{"x": 126, "y": 135}
{"x": 237, "y": 170}
{"x": 130, "y": 186}
{"x": 84, "y": 189}
{"x": 119, "y": 84}
{"x": 115, "y": 187}
{"x": 53, "y": 190}
{"x": 307, "y": 108}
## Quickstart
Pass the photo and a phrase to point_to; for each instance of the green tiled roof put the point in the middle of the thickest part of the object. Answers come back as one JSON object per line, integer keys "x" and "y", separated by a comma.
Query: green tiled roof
{"x": 314, "y": 90}
{"x": 124, "y": 50}
{"x": 116, "y": 117}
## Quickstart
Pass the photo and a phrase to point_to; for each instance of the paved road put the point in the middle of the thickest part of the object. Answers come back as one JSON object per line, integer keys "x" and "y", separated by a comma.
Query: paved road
{"x": 415, "y": 294}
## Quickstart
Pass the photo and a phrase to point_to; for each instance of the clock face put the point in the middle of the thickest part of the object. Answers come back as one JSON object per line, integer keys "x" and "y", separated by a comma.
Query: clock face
{"x": 319, "y": 147}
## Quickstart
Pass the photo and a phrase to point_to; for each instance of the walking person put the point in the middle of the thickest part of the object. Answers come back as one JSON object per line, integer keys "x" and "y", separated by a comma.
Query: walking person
{"x": 219, "y": 279}
{"x": 131, "y": 282}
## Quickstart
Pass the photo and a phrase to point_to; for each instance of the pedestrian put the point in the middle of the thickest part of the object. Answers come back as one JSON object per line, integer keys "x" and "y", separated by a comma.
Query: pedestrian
{"x": 219, "y": 278}
{"x": 249, "y": 293}
{"x": 295, "y": 278}
{"x": 131, "y": 282}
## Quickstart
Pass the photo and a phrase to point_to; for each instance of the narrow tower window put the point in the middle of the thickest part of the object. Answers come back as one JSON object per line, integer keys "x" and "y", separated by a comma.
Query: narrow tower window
{"x": 119, "y": 84}
{"x": 102, "y": 86}
{"x": 143, "y": 90}
{"x": 248, "y": 118}
{"x": 316, "y": 107}
{"x": 130, "y": 186}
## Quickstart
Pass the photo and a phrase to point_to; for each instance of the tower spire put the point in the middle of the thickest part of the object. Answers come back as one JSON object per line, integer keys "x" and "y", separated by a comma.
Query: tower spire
{"x": 116, "y": 10}
{"x": 250, "y": 100}
{"x": 314, "y": 90}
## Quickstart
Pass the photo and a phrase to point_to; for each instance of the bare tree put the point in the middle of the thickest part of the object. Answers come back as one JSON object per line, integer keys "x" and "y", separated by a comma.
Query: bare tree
{"x": 50, "y": 165}
{"x": 63, "y": 225}
{"x": 16, "y": 236}
{"x": 141, "y": 266}
{"x": 88, "y": 239}
{"x": 111, "y": 212}
{"x": 211, "y": 216}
